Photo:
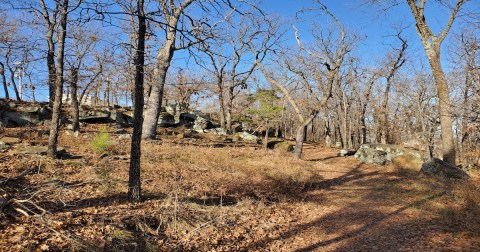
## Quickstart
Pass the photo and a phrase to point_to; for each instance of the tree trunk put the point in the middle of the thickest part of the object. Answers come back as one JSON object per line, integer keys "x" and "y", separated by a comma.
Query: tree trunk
{"x": 300, "y": 136}
{"x": 74, "y": 103}
{"x": 266, "y": 135}
{"x": 52, "y": 75}
{"x": 4, "y": 81}
{"x": 221, "y": 100}
{"x": 14, "y": 84}
{"x": 134, "y": 180}
{"x": 154, "y": 102}
{"x": 384, "y": 115}
{"x": 53, "y": 137}
{"x": 364, "y": 130}
{"x": 228, "y": 114}
{"x": 444, "y": 106}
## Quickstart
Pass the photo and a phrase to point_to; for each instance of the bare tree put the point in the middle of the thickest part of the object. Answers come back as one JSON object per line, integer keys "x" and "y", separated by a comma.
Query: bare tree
{"x": 394, "y": 64}
{"x": 172, "y": 14}
{"x": 330, "y": 51}
{"x": 134, "y": 180}
{"x": 83, "y": 43}
{"x": 61, "y": 36}
{"x": 50, "y": 18}
{"x": 432, "y": 45}
{"x": 231, "y": 60}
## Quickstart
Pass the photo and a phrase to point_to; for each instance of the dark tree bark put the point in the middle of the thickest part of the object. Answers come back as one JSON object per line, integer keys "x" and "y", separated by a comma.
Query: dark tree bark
{"x": 51, "y": 23}
{"x": 74, "y": 102}
{"x": 4, "y": 80}
{"x": 12, "y": 77}
{"x": 53, "y": 136}
{"x": 134, "y": 180}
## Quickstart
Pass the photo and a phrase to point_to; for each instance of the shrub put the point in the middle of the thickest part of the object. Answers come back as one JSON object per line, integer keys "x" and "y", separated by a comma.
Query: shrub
{"x": 101, "y": 142}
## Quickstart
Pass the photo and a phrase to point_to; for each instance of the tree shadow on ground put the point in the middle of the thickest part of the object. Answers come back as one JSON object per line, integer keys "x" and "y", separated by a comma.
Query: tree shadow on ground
{"x": 327, "y": 184}
{"x": 352, "y": 221}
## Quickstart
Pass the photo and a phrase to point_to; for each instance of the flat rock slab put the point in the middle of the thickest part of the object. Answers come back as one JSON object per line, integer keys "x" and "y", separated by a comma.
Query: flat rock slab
{"x": 38, "y": 150}
{"x": 10, "y": 140}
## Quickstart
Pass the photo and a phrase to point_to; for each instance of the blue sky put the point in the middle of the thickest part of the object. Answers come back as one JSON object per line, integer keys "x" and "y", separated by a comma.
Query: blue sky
{"x": 368, "y": 22}
{"x": 371, "y": 22}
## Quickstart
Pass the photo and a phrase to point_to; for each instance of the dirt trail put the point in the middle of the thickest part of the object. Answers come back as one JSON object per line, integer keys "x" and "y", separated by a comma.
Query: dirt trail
{"x": 362, "y": 207}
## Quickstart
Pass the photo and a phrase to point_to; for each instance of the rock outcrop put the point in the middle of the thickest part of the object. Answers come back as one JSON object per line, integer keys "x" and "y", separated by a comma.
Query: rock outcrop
{"x": 369, "y": 155}
{"x": 384, "y": 153}
{"x": 440, "y": 169}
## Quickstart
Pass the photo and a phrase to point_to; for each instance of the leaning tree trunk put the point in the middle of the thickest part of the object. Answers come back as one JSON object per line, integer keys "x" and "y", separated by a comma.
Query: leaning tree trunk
{"x": 154, "y": 102}
{"x": 4, "y": 80}
{"x": 134, "y": 180}
{"x": 444, "y": 106}
{"x": 53, "y": 137}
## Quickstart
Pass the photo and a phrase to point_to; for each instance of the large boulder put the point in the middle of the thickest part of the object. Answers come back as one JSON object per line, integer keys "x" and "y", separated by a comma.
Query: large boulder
{"x": 121, "y": 118}
{"x": 166, "y": 120}
{"x": 94, "y": 116}
{"x": 369, "y": 155}
{"x": 19, "y": 118}
{"x": 391, "y": 152}
{"x": 346, "y": 152}
{"x": 280, "y": 146}
{"x": 245, "y": 136}
{"x": 441, "y": 169}
{"x": 407, "y": 162}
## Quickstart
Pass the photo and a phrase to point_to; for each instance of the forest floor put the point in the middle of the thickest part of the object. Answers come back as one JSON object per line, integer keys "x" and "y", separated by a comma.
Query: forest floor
{"x": 225, "y": 198}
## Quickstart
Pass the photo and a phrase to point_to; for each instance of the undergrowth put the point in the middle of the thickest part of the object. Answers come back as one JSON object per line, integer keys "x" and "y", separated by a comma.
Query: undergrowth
{"x": 101, "y": 142}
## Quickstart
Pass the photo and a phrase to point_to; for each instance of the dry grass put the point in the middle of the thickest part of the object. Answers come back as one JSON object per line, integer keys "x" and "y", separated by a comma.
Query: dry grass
{"x": 234, "y": 198}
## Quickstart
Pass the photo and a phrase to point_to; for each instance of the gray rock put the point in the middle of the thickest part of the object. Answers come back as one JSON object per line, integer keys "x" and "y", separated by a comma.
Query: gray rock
{"x": 345, "y": 152}
{"x": 367, "y": 152}
{"x": 125, "y": 137}
{"x": 94, "y": 116}
{"x": 120, "y": 118}
{"x": 4, "y": 146}
{"x": 369, "y": 155}
{"x": 440, "y": 169}
{"x": 165, "y": 119}
{"x": 280, "y": 146}
{"x": 45, "y": 113}
{"x": 338, "y": 144}
{"x": 219, "y": 131}
{"x": 38, "y": 150}
{"x": 120, "y": 131}
{"x": 47, "y": 122}
{"x": 247, "y": 136}
{"x": 20, "y": 119}
{"x": 72, "y": 133}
